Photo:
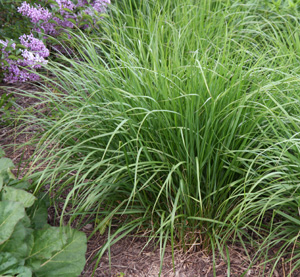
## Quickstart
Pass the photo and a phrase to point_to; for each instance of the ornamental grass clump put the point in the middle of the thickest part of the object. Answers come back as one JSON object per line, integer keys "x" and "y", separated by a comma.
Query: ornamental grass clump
{"x": 181, "y": 119}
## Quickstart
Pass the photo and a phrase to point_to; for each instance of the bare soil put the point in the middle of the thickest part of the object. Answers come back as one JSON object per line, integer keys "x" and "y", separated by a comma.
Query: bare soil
{"x": 127, "y": 257}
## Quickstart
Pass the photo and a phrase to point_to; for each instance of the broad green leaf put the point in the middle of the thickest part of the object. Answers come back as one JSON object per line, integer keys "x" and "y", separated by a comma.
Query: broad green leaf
{"x": 1, "y": 182}
{"x": 46, "y": 242}
{"x": 22, "y": 271}
{"x": 59, "y": 16}
{"x": 7, "y": 260}
{"x": 5, "y": 63}
{"x": 18, "y": 195}
{"x": 10, "y": 214}
{"x": 21, "y": 46}
{"x": 18, "y": 184}
{"x": 5, "y": 164}
{"x": 20, "y": 242}
{"x": 10, "y": 266}
{"x": 53, "y": 2}
{"x": 8, "y": 49}
{"x": 11, "y": 42}
{"x": 52, "y": 21}
{"x": 64, "y": 251}
{"x": 68, "y": 10}
{"x": 13, "y": 57}
{"x": 38, "y": 214}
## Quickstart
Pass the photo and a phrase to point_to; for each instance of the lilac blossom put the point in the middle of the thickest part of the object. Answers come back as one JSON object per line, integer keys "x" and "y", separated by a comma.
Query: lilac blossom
{"x": 34, "y": 13}
{"x": 40, "y": 16}
{"x": 35, "y": 45}
{"x": 33, "y": 57}
{"x": 66, "y": 4}
{"x": 5, "y": 44}
{"x": 82, "y": 3}
{"x": 100, "y": 5}
{"x": 97, "y": 5}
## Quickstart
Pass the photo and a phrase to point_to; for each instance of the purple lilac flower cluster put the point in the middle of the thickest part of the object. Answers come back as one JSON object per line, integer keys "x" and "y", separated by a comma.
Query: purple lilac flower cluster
{"x": 33, "y": 57}
{"x": 51, "y": 23}
{"x": 65, "y": 14}
{"x": 97, "y": 5}
{"x": 34, "y": 13}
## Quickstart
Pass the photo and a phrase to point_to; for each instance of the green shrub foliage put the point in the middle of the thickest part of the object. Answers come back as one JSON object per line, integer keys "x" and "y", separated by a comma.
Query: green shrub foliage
{"x": 12, "y": 23}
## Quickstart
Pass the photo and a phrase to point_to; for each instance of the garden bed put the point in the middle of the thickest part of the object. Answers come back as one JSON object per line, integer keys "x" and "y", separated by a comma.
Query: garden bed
{"x": 128, "y": 257}
{"x": 169, "y": 134}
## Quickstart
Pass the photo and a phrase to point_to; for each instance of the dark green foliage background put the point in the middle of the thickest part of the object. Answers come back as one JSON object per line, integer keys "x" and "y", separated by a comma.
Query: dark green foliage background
{"x": 12, "y": 23}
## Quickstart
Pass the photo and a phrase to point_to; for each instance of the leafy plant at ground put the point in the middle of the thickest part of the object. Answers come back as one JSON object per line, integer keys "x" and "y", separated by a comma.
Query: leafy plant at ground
{"x": 181, "y": 118}
{"x": 28, "y": 245}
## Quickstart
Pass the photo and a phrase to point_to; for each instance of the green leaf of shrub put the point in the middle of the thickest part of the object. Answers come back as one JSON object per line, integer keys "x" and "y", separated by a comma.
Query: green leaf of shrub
{"x": 58, "y": 252}
{"x": 5, "y": 63}
{"x": 8, "y": 49}
{"x": 46, "y": 242}
{"x": 5, "y": 164}
{"x": 59, "y": 16}
{"x": 18, "y": 195}
{"x": 38, "y": 214}
{"x": 13, "y": 57}
{"x": 10, "y": 266}
{"x": 10, "y": 214}
{"x": 19, "y": 184}
{"x": 21, "y": 46}
{"x": 20, "y": 242}
{"x": 7, "y": 261}
{"x": 52, "y": 21}
{"x": 53, "y": 2}
{"x": 68, "y": 10}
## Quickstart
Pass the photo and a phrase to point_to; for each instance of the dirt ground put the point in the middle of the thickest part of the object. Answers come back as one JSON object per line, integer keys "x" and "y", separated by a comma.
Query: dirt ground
{"x": 127, "y": 257}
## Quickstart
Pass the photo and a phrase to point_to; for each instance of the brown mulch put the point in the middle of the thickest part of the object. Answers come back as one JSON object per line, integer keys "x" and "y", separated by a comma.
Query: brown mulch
{"x": 127, "y": 257}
